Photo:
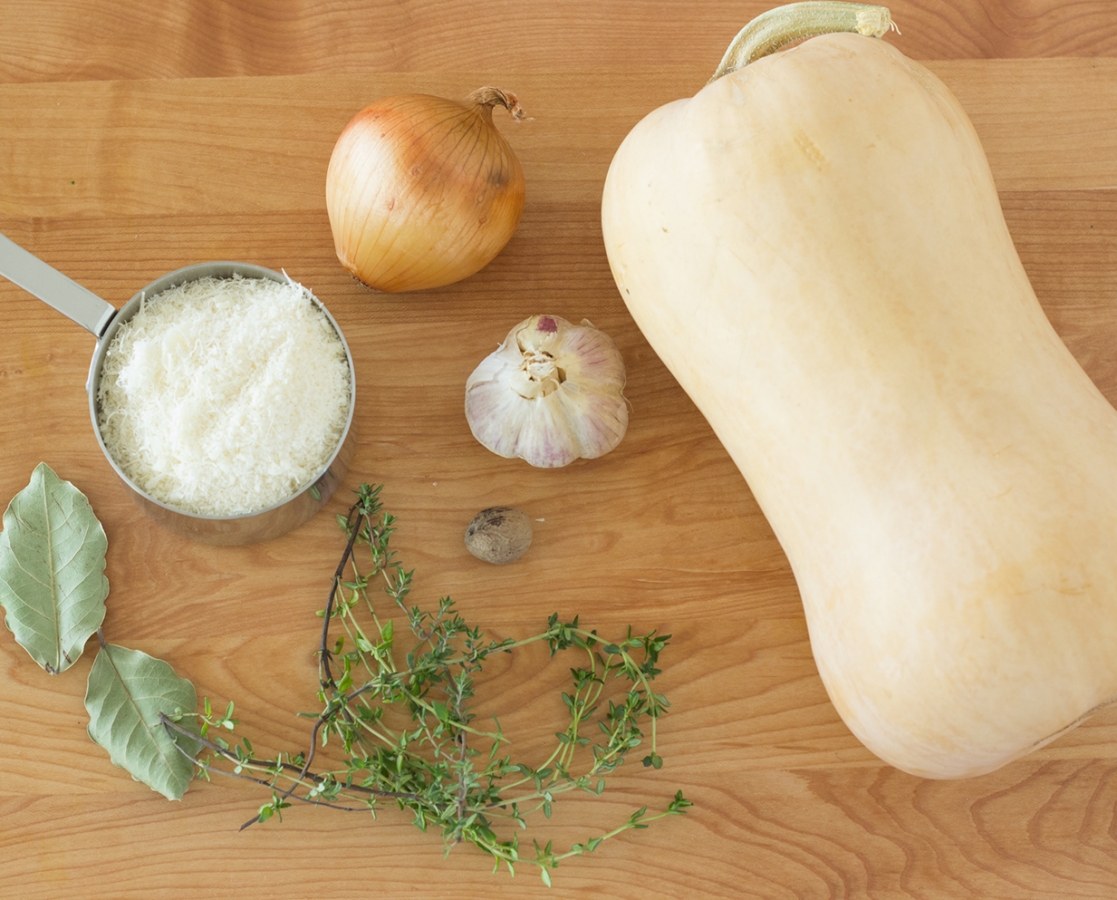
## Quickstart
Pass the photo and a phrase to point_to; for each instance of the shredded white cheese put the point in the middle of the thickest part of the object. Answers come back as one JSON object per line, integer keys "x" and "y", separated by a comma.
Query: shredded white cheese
{"x": 224, "y": 396}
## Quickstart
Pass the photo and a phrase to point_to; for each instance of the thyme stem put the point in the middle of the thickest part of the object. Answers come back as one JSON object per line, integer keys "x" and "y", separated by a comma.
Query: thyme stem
{"x": 436, "y": 766}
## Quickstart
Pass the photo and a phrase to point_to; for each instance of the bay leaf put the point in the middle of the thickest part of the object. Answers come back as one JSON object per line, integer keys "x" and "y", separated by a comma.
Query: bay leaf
{"x": 127, "y": 691}
{"x": 52, "y": 570}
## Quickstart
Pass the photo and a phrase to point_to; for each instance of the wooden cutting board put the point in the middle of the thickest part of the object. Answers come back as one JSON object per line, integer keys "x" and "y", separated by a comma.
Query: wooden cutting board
{"x": 139, "y": 137}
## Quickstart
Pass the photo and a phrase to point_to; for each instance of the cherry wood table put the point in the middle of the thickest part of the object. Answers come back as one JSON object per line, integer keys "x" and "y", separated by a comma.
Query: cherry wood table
{"x": 138, "y": 136}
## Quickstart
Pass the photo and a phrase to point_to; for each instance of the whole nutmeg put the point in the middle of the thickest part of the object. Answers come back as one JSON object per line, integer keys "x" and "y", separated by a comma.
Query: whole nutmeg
{"x": 499, "y": 534}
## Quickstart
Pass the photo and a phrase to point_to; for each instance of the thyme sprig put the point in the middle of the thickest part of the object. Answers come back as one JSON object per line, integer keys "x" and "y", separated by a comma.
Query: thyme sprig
{"x": 435, "y": 760}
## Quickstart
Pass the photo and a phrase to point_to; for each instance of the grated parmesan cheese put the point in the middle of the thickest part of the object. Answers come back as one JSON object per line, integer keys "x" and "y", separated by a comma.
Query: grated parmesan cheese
{"x": 225, "y": 396}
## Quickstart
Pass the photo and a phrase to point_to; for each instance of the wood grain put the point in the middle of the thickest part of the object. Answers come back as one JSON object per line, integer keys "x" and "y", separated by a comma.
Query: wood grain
{"x": 139, "y": 137}
{"x": 98, "y": 40}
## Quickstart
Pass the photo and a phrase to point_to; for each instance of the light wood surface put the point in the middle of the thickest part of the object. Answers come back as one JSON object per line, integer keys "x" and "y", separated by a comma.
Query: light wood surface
{"x": 137, "y": 137}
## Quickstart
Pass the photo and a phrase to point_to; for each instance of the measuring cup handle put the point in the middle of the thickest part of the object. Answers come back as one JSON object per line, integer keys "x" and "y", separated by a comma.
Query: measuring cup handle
{"x": 52, "y": 287}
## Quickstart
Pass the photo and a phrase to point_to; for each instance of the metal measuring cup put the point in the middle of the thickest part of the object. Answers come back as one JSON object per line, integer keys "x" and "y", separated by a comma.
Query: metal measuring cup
{"x": 103, "y": 319}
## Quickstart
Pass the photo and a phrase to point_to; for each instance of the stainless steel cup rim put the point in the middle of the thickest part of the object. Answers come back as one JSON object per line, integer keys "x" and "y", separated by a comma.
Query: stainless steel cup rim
{"x": 103, "y": 320}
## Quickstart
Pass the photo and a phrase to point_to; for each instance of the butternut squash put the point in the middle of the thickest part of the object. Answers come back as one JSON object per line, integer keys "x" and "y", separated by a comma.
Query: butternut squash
{"x": 814, "y": 246}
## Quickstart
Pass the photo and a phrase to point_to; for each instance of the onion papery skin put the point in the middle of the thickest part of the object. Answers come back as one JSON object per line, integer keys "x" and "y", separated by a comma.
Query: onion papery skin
{"x": 422, "y": 191}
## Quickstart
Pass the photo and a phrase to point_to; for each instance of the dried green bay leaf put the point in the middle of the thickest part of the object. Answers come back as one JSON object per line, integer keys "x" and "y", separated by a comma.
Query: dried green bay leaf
{"x": 52, "y": 570}
{"x": 127, "y": 691}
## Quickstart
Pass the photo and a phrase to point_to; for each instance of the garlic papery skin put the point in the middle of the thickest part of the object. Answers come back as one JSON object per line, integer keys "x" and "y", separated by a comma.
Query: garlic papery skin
{"x": 552, "y": 393}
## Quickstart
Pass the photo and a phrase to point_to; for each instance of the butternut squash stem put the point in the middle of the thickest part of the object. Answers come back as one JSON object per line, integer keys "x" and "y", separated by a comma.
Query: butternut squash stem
{"x": 784, "y": 25}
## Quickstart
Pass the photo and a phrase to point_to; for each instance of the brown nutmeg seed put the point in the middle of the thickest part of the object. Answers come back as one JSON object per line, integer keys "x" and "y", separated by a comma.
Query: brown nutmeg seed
{"x": 499, "y": 534}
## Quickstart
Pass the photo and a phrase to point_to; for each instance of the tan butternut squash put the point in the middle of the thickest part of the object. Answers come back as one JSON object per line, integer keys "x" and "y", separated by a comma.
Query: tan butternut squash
{"x": 814, "y": 246}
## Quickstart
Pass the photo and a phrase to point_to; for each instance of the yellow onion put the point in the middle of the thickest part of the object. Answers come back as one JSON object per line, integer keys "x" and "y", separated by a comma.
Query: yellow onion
{"x": 422, "y": 192}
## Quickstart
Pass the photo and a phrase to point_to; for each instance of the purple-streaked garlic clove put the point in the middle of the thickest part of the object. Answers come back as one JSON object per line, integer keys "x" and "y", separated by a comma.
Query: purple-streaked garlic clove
{"x": 552, "y": 393}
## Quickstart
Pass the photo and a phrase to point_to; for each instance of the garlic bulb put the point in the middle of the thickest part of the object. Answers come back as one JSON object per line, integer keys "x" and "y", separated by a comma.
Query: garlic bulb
{"x": 550, "y": 394}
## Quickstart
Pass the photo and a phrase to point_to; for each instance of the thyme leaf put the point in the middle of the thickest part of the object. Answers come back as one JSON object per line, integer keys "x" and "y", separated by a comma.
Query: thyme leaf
{"x": 453, "y": 774}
